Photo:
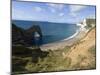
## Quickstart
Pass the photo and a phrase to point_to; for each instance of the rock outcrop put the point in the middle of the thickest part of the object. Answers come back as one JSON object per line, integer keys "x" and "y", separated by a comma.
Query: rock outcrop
{"x": 24, "y": 37}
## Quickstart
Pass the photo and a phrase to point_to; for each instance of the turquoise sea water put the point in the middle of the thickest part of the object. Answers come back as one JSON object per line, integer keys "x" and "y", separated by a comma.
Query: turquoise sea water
{"x": 52, "y": 32}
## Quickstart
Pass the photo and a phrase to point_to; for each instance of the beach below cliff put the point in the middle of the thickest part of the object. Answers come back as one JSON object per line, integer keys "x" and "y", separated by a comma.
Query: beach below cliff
{"x": 65, "y": 42}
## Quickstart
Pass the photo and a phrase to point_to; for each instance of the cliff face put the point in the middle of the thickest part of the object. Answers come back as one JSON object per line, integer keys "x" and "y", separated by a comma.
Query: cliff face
{"x": 24, "y": 37}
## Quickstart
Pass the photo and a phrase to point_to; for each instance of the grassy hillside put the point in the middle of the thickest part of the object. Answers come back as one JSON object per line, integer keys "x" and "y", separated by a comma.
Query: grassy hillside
{"x": 80, "y": 55}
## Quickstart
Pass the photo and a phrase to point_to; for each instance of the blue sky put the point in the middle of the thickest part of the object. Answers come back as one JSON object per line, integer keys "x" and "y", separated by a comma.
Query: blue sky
{"x": 51, "y": 12}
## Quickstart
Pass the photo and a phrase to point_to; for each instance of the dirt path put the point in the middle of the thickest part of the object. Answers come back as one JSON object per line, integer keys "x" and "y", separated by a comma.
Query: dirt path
{"x": 79, "y": 51}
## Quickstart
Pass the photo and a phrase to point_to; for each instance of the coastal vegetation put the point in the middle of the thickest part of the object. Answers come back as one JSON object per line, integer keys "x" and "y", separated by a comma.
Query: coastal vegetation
{"x": 90, "y": 23}
{"x": 39, "y": 61}
{"x": 79, "y": 56}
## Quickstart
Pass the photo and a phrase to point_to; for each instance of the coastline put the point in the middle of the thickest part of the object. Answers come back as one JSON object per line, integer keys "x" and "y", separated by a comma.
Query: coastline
{"x": 75, "y": 34}
{"x": 65, "y": 42}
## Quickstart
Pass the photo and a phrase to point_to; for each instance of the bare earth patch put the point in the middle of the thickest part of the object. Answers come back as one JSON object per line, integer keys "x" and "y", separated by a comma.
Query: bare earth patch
{"x": 80, "y": 56}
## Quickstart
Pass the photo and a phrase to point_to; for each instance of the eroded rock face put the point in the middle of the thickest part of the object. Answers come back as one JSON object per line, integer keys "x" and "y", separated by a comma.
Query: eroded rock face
{"x": 24, "y": 37}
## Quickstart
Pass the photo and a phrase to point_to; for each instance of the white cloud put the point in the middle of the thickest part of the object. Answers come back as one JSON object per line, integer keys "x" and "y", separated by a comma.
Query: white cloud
{"x": 57, "y": 6}
{"x": 73, "y": 14}
{"x": 61, "y": 14}
{"x": 54, "y": 7}
{"x": 52, "y": 10}
{"x": 38, "y": 9}
{"x": 74, "y": 9}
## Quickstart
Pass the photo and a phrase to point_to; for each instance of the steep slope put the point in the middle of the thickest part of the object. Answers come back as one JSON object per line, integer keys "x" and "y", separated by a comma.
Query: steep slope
{"x": 80, "y": 54}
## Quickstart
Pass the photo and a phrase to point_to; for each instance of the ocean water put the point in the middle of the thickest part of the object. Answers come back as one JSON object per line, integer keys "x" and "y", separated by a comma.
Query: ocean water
{"x": 52, "y": 32}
